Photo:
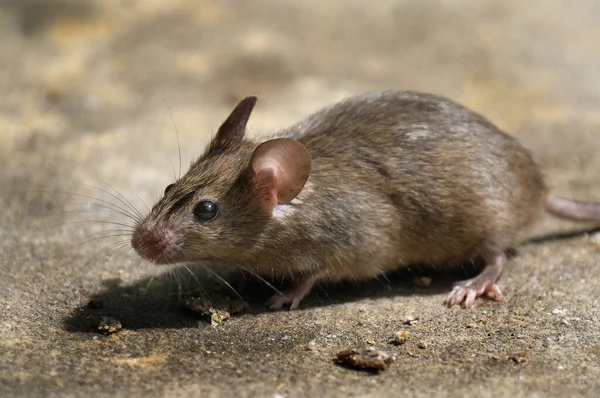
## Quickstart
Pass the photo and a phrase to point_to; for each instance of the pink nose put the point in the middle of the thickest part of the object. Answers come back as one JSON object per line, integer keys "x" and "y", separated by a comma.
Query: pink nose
{"x": 152, "y": 245}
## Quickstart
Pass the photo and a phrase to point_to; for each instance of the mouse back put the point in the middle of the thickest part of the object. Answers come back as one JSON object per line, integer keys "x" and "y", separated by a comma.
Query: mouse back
{"x": 456, "y": 184}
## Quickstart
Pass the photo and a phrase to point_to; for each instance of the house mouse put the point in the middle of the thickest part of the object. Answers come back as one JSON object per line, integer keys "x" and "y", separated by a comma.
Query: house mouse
{"x": 368, "y": 185}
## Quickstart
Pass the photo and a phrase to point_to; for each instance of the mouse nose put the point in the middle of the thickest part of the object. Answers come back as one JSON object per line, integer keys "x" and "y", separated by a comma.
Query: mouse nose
{"x": 152, "y": 245}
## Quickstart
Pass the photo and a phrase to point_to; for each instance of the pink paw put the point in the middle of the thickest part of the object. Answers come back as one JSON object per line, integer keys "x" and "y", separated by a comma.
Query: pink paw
{"x": 464, "y": 293}
{"x": 292, "y": 296}
{"x": 279, "y": 300}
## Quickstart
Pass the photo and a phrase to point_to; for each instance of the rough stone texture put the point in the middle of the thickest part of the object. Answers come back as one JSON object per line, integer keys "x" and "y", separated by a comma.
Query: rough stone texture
{"x": 84, "y": 90}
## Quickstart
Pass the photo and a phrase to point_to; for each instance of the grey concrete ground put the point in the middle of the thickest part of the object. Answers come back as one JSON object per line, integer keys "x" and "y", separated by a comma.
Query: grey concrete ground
{"x": 83, "y": 91}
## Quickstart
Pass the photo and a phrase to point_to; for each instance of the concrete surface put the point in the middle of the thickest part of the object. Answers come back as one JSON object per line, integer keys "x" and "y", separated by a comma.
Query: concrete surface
{"x": 84, "y": 86}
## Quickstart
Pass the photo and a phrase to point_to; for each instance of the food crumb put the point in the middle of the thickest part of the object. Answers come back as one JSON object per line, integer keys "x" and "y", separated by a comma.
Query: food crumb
{"x": 206, "y": 308}
{"x": 105, "y": 324}
{"x": 401, "y": 337}
{"x": 218, "y": 316}
{"x": 519, "y": 357}
{"x": 422, "y": 281}
{"x": 196, "y": 304}
{"x": 369, "y": 359}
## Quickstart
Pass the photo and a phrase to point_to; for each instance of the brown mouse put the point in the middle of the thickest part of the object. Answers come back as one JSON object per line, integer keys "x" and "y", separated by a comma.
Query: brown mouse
{"x": 368, "y": 185}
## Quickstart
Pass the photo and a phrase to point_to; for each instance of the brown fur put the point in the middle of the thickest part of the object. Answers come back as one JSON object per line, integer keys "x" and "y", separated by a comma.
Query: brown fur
{"x": 397, "y": 178}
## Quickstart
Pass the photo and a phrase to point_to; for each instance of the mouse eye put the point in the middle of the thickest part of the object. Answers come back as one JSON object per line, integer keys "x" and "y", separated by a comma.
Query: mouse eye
{"x": 206, "y": 210}
{"x": 168, "y": 188}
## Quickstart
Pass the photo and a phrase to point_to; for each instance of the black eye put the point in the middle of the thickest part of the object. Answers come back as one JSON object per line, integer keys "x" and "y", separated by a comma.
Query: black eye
{"x": 168, "y": 188}
{"x": 206, "y": 210}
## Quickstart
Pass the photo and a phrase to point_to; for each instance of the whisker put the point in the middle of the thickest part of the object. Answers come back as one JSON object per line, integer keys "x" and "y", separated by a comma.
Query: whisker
{"x": 115, "y": 254}
{"x": 98, "y": 253}
{"x": 173, "y": 169}
{"x": 175, "y": 277}
{"x": 120, "y": 252}
{"x": 176, "y": 131}
{"x": 174, "y": 274}
{"x": 119, "y": 245}
{"x": 130, "y": 227}
{"x": 111, "y": 232}
{"x": 224, "y": 282}
{"x": 194, "y": 276}
{"x": 117, "y": 208}
{"x": 128, "y": 206}
{"x": 149, "y": 283}
{"x": 81, "y": 211}
{"x": 121, "y": 198}
{"x": 383, "y": 276}
{"x": 102, "y": 237}
{"x": 87, "y": 204}
{"x": 260, "y": 278}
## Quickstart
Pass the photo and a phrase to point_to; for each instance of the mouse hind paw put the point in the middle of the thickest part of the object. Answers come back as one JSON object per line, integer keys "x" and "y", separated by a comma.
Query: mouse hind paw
{"x": 464, "y": 293}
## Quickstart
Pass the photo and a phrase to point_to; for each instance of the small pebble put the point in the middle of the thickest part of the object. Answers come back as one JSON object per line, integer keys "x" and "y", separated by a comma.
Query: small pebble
{"x": 369, "y": 359}
{"x": 401, "y": 337}
{"x": 422, "y": 281}
{"x": 519, "y": 357}
{"x": 105, "y": 324}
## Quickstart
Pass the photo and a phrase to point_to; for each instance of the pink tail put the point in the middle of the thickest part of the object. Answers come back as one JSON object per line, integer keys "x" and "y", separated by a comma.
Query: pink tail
{"x": 572, "y": 209}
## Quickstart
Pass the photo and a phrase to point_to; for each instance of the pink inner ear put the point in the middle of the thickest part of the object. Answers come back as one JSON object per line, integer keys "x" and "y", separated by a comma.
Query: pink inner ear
{"x": 282, "y": 166}
{"x": 266, "y": 178}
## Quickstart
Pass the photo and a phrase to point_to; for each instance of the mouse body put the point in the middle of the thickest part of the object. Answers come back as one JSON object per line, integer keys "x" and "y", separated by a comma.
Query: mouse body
{"x": 366, "y": 186}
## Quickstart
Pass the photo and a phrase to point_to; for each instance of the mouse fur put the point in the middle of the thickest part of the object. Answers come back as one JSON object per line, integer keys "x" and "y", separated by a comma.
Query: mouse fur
{"x": 376, "y": 182}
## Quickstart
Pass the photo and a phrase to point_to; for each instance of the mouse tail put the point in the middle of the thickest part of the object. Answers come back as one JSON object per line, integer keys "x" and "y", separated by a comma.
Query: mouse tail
{"x": 573, "y": 209}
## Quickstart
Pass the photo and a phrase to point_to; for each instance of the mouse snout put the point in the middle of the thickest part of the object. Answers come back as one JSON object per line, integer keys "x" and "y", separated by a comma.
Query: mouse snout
{"x": 154, "y": 244}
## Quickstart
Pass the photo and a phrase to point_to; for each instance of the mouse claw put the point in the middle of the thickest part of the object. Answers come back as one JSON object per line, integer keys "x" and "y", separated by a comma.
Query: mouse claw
{"x": 466, "y": 292}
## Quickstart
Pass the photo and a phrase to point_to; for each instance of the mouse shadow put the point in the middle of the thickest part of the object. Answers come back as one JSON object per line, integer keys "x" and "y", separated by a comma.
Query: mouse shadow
{"x": 158, "y": 302}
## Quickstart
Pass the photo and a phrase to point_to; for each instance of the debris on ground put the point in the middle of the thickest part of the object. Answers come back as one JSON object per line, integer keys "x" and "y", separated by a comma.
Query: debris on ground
{"x": 217, "y": 312}
{"x": 422, "y": 281}
{"x": 105, "y": 324}
{"x": 401, "y": 337}
{"x": 519, "y": 357}
{"x": 370, "y": 359}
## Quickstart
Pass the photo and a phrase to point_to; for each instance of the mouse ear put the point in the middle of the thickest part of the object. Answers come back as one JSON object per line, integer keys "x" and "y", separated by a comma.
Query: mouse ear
{"x": 234, "y": 127}
{"x": 280, "y": 166}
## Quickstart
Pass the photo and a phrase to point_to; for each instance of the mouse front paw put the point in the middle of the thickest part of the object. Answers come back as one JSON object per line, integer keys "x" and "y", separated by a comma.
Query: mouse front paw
{"x": 292, "y": 296}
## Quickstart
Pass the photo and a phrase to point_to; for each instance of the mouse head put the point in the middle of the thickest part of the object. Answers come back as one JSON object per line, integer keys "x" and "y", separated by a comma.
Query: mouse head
{"x": 220, "y": 209}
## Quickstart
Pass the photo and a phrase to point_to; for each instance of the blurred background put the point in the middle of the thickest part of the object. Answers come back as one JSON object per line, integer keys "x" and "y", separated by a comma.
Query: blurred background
{"x": 88, "y": 81}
